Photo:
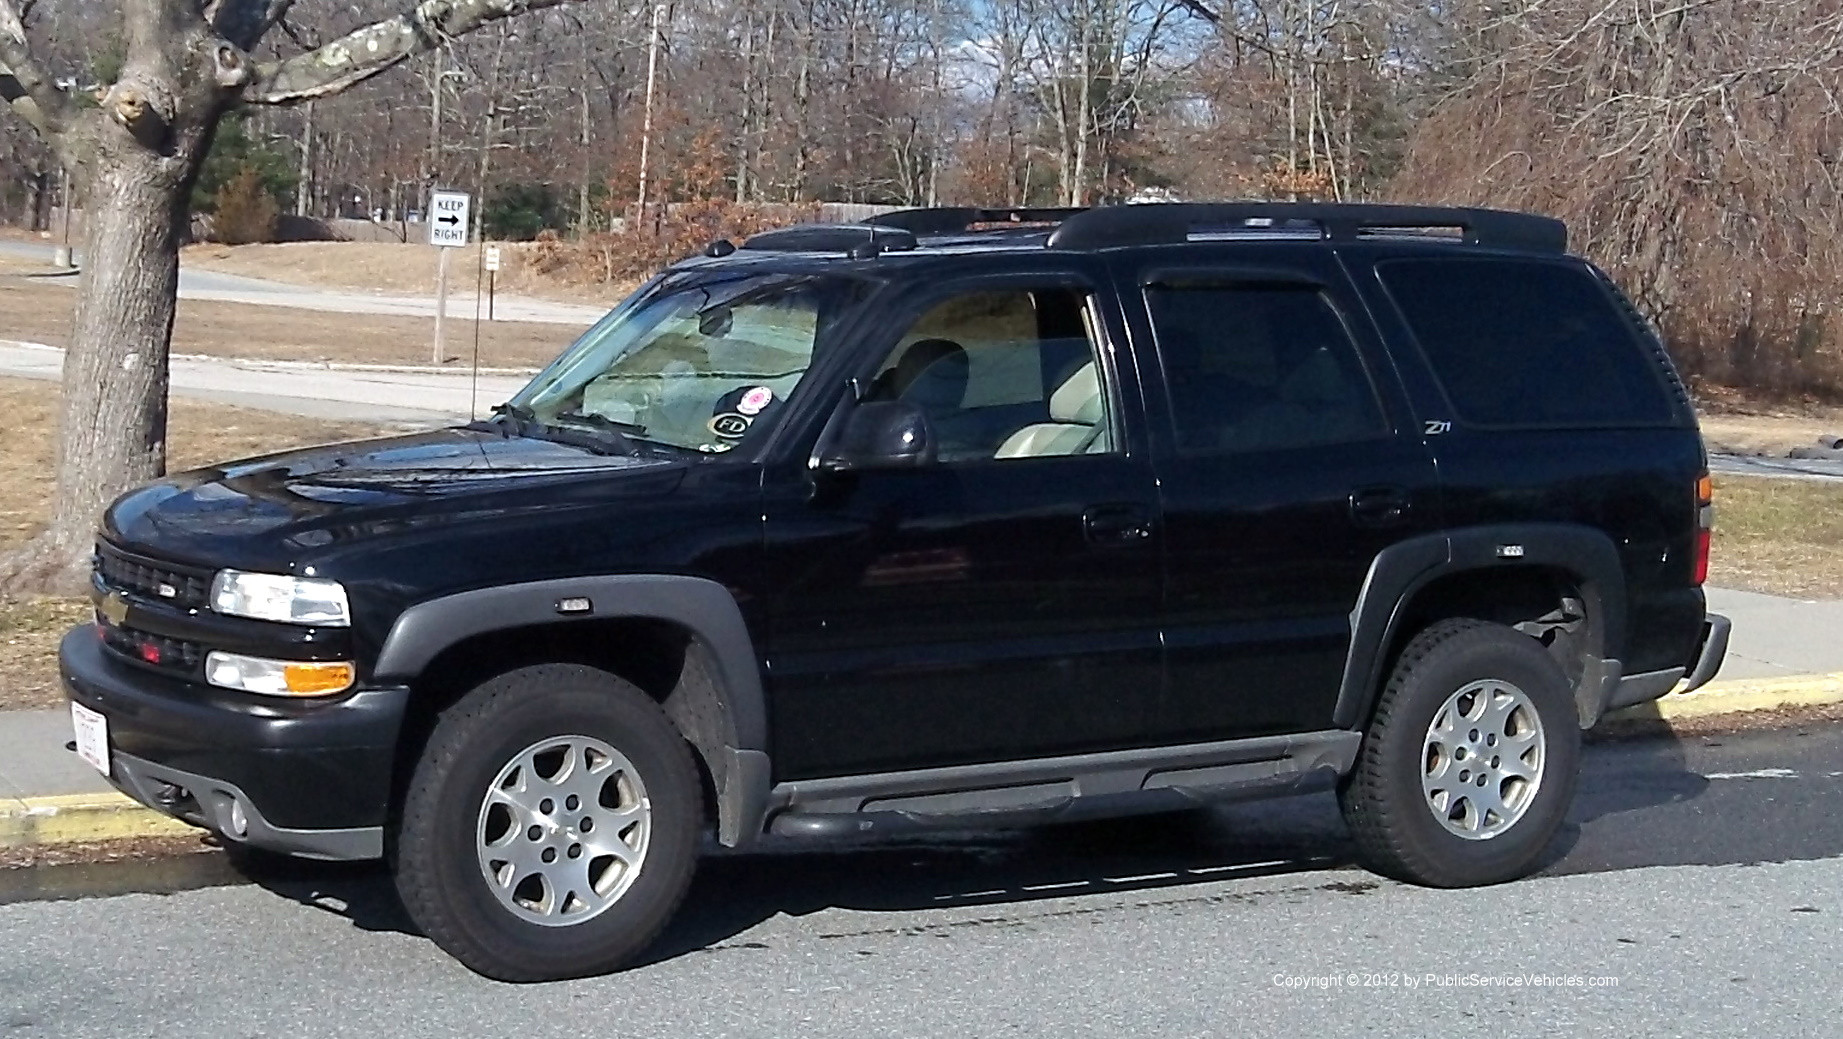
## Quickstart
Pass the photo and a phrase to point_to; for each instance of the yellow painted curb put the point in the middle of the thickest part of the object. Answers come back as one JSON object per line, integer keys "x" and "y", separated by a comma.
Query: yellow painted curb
{"x": 78, "y": 818}
{"x": 1741, "y": 695}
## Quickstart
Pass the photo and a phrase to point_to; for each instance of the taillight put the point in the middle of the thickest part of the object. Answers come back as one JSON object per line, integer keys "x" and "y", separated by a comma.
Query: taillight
{"x": 1705, "y": 525}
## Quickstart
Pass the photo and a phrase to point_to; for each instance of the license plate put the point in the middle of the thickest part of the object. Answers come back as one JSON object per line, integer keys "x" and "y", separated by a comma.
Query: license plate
{"x": 92, "y": 736}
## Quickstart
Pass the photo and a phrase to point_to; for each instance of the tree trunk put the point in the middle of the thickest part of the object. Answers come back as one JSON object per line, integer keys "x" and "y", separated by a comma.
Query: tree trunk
{"x": 112, "y": 433}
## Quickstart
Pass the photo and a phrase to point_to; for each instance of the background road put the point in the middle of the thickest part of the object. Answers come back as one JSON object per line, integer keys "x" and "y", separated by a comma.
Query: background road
{"x": 1706, "y": 877}
{"x": 232, "y": 288}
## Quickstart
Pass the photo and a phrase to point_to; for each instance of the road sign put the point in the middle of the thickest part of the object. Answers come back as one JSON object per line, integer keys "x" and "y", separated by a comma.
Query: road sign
{"x": 448, "y": 213}
{"x": 492, "y": 257}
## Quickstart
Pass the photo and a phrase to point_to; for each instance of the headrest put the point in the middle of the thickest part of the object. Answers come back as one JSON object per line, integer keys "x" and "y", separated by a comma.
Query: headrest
{"x": 1078, "y": 399}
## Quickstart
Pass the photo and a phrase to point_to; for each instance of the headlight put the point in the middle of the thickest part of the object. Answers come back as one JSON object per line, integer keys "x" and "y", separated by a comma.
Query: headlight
{"x": 272, "y": 597}
{"x": 278, "y": 677}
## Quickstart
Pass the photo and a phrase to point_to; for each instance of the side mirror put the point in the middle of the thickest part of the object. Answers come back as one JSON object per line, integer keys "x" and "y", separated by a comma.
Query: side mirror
{"x": 885, "y": 434}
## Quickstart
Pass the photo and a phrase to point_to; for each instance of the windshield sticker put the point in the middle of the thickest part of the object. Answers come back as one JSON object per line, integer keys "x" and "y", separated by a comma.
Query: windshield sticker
{"x": 755, "y": 400}
{"x": 730, "y": 426}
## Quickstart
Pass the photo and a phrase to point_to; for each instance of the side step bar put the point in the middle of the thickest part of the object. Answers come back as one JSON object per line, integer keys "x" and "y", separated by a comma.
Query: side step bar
{"x": 1016, "y": 793}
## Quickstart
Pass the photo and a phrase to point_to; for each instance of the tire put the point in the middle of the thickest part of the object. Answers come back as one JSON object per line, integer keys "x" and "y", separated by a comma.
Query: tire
{"x": 539, "y": 735}
{"x": 1501, "y": 702}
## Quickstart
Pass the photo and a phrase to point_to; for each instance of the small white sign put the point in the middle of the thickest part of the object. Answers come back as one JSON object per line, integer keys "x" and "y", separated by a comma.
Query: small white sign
{"x": 448, "y": 215}
{"x": 492, "y": 257}
{"x": 92, "y": 731}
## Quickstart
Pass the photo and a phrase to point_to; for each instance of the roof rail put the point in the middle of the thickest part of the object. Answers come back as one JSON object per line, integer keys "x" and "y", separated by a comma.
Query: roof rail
{"x": 960, "y": 219}
{"x": 1173, "y": 222}
{"x": 859, "y": 241}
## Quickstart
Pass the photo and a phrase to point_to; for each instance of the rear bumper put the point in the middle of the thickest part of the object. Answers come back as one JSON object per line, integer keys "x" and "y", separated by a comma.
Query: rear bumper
{"x": 1649, "y": 685}
{"x": 308, "y": 778}
{"x": 1709, "y": 656}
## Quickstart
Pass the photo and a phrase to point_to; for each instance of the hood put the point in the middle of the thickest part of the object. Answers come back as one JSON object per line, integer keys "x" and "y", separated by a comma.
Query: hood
{"x": 281, "y": 509}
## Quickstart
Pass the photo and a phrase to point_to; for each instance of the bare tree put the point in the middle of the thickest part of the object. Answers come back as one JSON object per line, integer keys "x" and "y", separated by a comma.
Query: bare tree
{"x": 136, "y": 153}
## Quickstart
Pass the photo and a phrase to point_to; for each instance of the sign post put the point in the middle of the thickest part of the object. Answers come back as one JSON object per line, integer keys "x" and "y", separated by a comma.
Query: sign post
{"x": 492, "y": 276}
{"x": 448, "y": 229}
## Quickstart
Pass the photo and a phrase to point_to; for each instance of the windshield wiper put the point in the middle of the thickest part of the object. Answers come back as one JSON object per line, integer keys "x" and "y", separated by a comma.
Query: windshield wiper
{"x": 604, "y": 436}
{"x": 603, "y": 422}
{"x": 517, "y": 416}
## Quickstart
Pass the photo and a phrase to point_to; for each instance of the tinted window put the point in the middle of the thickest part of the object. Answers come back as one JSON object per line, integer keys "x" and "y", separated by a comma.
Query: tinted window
{"x": 1520, "y": 343}
{"x": 1006, "y": 374}
{"x": 1259, "y": 368}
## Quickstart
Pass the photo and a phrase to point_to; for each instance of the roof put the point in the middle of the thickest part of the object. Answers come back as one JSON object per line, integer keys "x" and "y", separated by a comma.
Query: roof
{"x": 1113, "y": 227}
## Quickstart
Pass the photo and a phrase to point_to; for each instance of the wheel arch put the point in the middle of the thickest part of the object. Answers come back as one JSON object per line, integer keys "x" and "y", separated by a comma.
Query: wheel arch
{"x": 1454, "y": 572}
{"x": 681, "y": 639}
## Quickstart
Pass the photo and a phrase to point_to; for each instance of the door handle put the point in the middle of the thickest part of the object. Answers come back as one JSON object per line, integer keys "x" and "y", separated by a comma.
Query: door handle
{"x": 1117, "y": 524}
{"x": 1380, "y": 506}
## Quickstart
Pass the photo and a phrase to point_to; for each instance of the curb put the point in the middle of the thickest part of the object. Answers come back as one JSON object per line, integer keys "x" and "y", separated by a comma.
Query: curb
{"x": 80, "y": 818}
{"x": 1739, "y": 696}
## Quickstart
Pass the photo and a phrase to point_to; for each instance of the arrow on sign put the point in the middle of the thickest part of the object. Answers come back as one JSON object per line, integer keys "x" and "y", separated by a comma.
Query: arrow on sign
{"x": 447, "y": 219}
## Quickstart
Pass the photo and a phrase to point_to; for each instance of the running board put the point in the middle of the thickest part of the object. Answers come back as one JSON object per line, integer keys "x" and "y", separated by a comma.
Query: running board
{"x": 1015, "y": 793}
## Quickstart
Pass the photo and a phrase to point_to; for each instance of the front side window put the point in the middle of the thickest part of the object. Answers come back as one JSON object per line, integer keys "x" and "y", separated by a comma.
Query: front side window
{"x": 704, "y": 361}
{"x": 1003, "y": 374}
{"x": 1259, "y": 368}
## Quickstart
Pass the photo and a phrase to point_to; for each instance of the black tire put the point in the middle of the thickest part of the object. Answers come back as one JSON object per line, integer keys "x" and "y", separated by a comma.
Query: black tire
{"x": 438, "y": 869}
{"x": 1398, "y": 831}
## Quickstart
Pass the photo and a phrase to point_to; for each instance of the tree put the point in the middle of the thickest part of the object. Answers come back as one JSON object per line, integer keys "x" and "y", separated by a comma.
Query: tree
{"x": 243, "y": 212}
{"x": 136, "y": 153}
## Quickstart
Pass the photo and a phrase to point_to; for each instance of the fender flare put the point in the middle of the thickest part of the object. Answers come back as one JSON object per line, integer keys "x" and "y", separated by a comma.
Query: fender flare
{"x": 735, "y": 749}
{"x": 1401, "y": 571}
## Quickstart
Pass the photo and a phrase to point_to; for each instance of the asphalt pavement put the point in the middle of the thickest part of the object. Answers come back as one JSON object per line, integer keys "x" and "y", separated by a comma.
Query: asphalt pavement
{"x": 1695, "y": 891}
{"x": 231, "y": 288}
{"x": 406, "y": 395}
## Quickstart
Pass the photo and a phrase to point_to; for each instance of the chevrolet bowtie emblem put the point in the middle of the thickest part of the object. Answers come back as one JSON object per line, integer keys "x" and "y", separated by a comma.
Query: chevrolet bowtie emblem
{"x": 114, "y": 607}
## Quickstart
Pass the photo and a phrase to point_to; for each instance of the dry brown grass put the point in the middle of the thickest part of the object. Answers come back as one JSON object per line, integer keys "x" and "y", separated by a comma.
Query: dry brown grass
{"x": 39, "y": 312}
{"x": 200, "y": 434}
{"x": 395, "y": 269}
{"x": 1783, "y": 537}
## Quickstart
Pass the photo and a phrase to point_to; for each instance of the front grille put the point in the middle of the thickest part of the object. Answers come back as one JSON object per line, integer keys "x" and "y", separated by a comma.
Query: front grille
{"x": 167, "y": 654}
{"x": 161, "y": 582}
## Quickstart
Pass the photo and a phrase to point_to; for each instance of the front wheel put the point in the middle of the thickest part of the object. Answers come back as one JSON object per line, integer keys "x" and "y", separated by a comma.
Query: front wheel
{"x": 551, "y": 825}
{"x": 1469, "y": 765}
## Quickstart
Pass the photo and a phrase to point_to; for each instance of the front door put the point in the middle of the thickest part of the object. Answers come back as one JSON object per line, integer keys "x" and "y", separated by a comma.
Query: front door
{"x": 1001, "y": 603}
{"x": 1287, "y": 461}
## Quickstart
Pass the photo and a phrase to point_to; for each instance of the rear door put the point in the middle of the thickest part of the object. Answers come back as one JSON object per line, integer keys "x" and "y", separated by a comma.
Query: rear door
{"x": 1287, "y": 460}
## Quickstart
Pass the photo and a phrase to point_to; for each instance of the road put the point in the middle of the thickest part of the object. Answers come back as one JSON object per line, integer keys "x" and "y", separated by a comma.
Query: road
{"x": 232, "y": 288}
{"x": 424, "y": 398}
{"x": 1706, "y": 878}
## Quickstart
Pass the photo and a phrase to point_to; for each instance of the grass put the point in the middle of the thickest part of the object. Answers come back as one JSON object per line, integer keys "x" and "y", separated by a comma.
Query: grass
{"x": 1784, "y": 537}
{"x": 200, "y": 433}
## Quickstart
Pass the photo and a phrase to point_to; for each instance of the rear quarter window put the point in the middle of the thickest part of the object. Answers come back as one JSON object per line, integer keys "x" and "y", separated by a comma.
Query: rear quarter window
{"x": 1528, "y": 344}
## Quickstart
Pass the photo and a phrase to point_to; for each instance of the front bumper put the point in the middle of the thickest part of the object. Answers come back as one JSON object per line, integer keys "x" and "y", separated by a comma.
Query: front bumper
{"x": 308, "y": 778}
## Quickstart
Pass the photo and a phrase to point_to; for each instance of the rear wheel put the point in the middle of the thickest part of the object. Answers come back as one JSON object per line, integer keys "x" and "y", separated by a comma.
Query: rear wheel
{"x": 550, "y": 829}
{"x": 1469, "y": 765}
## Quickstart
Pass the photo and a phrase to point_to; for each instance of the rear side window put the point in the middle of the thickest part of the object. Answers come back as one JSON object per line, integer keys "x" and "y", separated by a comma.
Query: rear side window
{"x": 1259, "y": 368}
{"x": 1526, "y": 344}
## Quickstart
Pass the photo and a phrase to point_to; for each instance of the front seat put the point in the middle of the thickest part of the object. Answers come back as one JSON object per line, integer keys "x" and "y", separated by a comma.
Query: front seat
{"x": 1077, "y": 422}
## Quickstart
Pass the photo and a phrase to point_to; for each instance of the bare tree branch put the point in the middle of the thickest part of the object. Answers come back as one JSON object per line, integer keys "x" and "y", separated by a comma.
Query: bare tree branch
{"x": 362, "y": 54}
{"x": 23, "y": 84}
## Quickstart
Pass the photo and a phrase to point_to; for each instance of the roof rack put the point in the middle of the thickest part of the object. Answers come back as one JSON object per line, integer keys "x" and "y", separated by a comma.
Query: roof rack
{"x": 960, "y": 219}
{"x": 1174, "y": 222}
{"x": 859, "y": 241}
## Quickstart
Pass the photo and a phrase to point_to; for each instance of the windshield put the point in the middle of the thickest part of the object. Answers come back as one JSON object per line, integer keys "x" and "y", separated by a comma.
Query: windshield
{"x": 703, "y": 361}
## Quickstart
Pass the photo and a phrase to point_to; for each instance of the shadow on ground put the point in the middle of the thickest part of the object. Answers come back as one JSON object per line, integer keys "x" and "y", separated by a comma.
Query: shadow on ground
{"x": 1638, "y": 804}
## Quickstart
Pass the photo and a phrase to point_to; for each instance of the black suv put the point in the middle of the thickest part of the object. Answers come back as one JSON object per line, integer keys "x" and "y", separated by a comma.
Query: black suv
{"x": 958, "y": 517}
